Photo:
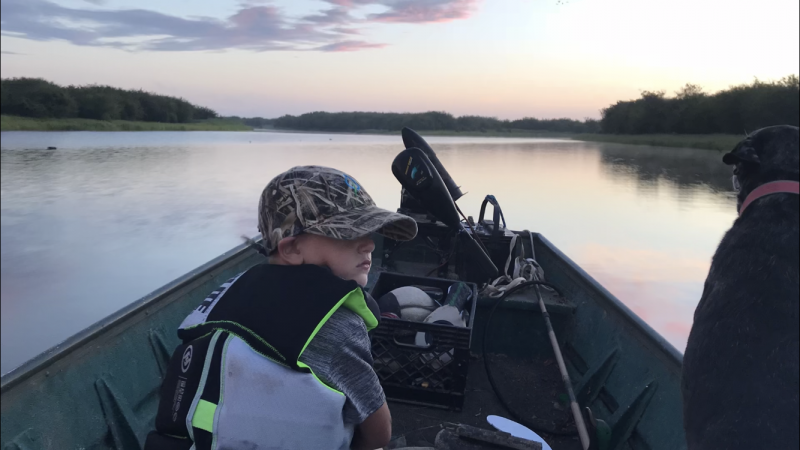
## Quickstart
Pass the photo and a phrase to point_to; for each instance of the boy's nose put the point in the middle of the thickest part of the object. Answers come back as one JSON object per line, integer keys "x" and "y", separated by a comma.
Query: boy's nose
{"x": 366, "y": 244}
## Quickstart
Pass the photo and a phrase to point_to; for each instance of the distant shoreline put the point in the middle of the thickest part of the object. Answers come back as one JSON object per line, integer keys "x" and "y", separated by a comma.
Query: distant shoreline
{"x": 16, "y": 123}
{"x": 719, "y": 142}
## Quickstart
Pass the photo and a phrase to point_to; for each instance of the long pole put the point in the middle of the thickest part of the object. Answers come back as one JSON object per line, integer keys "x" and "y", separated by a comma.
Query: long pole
{"x": 573, "y": 403}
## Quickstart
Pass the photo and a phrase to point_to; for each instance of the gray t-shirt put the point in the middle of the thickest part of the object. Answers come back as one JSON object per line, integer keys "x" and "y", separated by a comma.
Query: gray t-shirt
{"x": 340, "y": 355}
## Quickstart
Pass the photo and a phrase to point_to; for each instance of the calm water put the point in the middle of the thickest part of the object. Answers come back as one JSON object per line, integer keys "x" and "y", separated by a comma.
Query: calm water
{"x": 109, "y": 217}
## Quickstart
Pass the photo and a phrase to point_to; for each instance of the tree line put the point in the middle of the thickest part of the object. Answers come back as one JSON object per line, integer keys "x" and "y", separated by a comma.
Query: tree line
{"x": 35, "y": 97}
{"x": 689, "y": 111}
{"x": 741, "y": 108}
{"x": 427, "y": 121}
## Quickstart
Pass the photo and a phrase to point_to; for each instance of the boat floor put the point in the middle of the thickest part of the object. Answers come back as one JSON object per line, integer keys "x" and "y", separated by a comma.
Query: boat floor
{"x": 532, "y": 387}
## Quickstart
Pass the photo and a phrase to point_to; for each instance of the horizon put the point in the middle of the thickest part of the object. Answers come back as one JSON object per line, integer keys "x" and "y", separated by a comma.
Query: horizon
{"x": 507, "y": 59}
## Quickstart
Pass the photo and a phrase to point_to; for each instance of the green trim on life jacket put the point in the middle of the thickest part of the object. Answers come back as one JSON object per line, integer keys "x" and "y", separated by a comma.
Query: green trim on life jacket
{"x": 203, "y": 418}
{"x": 303, "y": 365}
{"x": 358, "y": 305}
{"x": 354, "y": 301}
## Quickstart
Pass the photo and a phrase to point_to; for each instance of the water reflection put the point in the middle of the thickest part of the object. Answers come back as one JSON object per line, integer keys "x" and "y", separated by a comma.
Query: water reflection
{"x": 687, "y": 168}
{"x": 108, "y": 217}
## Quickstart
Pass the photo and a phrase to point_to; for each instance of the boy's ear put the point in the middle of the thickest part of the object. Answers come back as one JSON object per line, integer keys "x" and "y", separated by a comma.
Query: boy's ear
{"x": 289, "y": 252}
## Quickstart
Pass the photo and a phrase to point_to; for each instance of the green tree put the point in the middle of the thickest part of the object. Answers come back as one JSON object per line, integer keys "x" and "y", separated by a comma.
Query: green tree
{"x": 733, "y": 110}
{"x": 35, "y": 97}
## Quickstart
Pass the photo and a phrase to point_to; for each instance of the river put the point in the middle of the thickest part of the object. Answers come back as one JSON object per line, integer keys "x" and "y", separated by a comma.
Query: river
{"x": 109, "y": 217}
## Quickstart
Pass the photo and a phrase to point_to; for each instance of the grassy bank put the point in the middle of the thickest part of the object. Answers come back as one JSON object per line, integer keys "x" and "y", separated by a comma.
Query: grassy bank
{"x": 15, "y": 123}
{"x": 723, "y": 142}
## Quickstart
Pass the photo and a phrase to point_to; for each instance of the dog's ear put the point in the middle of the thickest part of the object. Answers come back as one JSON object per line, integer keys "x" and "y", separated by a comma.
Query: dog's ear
{"x": 744, "y": 152}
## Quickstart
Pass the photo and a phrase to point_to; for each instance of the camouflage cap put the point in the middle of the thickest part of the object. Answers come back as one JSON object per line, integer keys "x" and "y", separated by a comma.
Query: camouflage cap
{"x": 327, "y": 202}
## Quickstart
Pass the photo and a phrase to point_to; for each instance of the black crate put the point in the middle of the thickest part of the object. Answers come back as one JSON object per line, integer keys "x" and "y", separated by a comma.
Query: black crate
{"x": 435, "y": 375}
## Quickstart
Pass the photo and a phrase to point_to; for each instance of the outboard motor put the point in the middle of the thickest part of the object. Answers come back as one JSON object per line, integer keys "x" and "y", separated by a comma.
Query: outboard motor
{"x": 408, "y": 203}
{"x": 417, "y": 174}
{"x": 412, "y": 139}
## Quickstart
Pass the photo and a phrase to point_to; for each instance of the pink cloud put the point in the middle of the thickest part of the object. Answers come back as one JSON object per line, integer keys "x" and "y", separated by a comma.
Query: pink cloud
{"x": 252, "y": 27}
{"x": 348, "y": 46}
{"x": 344, "y": 30}
{"x": 401, "y": 11}
{"x": 420, "y": 11}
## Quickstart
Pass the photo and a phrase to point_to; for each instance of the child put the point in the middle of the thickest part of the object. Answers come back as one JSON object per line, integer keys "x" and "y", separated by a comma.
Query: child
{"x": 278, "y": 356}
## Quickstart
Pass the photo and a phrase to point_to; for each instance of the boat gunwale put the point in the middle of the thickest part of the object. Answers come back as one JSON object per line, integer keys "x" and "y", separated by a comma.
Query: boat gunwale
{"x": 614, "y": 303}
{"x": 77, "y": 341}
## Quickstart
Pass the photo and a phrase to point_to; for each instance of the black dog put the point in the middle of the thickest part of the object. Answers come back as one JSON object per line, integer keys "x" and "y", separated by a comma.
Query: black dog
{"x": 740, "y": 369}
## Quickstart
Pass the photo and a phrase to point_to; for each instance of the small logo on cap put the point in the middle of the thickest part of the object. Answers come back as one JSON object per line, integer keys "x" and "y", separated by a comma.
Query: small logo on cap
{"x": 352, "y": 183}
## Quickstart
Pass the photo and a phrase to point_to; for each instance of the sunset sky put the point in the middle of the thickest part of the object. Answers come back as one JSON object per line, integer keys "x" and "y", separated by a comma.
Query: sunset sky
{"x": 504, "y": 58}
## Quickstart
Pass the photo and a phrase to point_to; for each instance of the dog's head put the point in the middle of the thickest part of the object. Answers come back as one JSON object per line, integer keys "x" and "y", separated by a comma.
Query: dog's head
{"x": 769, "y": 154}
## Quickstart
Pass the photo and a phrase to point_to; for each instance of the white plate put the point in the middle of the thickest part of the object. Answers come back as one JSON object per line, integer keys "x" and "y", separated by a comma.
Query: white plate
{"x": 516, "y": 430}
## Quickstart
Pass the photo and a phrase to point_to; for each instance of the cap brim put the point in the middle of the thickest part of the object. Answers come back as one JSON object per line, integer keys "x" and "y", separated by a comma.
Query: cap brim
{"x": 361, "y": 222}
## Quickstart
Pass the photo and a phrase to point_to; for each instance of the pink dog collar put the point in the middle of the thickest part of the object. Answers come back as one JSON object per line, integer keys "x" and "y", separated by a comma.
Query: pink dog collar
{"x": 775, "y": 187}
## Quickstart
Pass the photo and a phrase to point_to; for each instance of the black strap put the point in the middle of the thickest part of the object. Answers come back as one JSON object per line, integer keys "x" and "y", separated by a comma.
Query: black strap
{"x": 158, "y": 441}
{"x": 497, "y": 216}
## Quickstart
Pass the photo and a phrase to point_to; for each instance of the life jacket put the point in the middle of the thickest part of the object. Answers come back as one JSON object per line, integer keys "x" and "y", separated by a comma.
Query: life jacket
{"x": 236, "y": 381}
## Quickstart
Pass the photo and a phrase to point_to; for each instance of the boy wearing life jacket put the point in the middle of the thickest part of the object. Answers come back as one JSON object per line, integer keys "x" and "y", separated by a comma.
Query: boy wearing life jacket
{"x": 279, "y": 356}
